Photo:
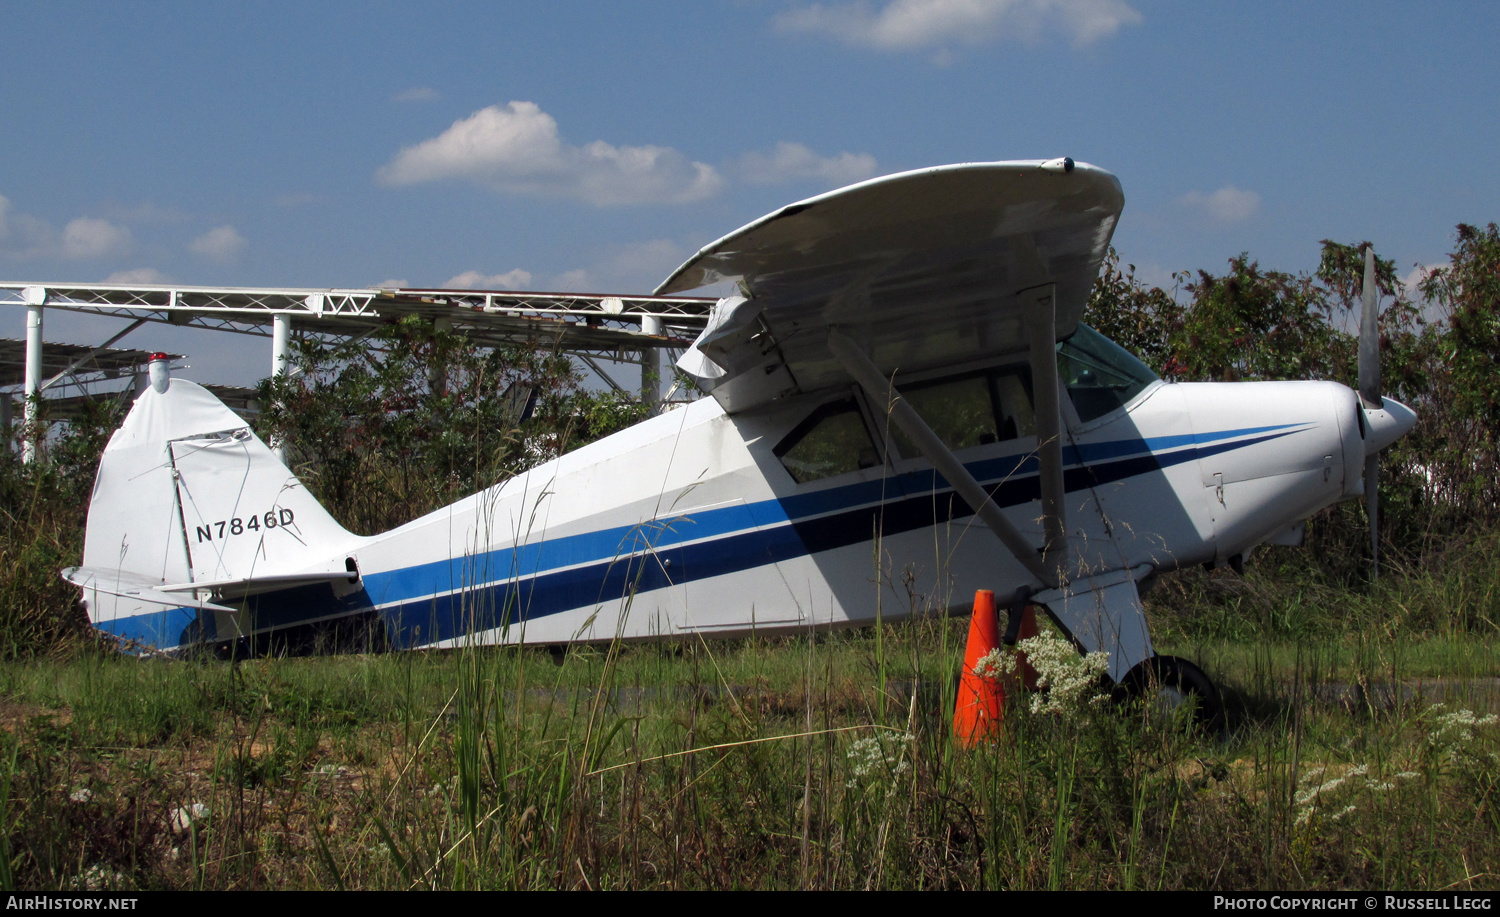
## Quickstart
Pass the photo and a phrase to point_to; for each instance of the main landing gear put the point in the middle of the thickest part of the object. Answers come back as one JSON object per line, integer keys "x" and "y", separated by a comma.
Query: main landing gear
{"x": 1175, "y": 686}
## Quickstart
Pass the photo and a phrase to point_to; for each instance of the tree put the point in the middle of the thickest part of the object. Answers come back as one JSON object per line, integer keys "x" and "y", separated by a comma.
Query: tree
{"x": 1254, "y": 324}
{"x": 1463, "y": 443}
{"x": 1144, "y": 320}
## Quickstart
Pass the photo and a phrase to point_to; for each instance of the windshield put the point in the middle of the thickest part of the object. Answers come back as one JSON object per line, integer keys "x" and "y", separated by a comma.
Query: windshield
{"x": 1099, "y": 374}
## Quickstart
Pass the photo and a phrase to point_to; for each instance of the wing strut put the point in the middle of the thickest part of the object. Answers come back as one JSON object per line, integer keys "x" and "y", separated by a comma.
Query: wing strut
{"x": 882, "y": 391}
{"x": 1041, "y": 338}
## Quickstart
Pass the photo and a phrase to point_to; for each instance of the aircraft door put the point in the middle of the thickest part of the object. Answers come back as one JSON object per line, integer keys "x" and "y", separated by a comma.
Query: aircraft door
{"x": 1092, "y": 548}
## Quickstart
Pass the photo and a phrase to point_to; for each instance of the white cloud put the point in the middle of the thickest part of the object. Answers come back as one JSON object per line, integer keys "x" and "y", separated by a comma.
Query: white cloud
{"x": 21, "y": 235}
{"x": 416, "y": 94}
{"x": 221, "y": 244}
{"x": 1226, "y": 205}
{"x": 393, "y": 284}
{"x": 790, "y": 162}
{"x": 933, "y": 25}
{"x": 473, "y": 280}
{"x": 87, "y": 238}
{"x": 147, "y": 275}
{"x": 517, "y": 150}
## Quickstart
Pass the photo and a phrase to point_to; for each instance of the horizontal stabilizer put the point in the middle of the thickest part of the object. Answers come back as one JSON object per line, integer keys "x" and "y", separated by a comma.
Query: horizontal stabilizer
{"x": 228, "y": 589}
{"x": 108, "y": 590}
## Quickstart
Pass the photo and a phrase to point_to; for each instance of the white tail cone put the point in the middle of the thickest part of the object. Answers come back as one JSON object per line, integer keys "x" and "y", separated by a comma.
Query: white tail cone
{"x": 1386, "y": 424}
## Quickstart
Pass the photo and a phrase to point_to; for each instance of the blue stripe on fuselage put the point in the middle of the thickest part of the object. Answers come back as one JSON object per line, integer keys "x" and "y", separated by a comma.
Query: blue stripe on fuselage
{"x": 444, "y": 599}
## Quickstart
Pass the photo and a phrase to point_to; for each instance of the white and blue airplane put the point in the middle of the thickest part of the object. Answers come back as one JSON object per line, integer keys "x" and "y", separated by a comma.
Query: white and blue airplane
{"x": 904, "y": 402}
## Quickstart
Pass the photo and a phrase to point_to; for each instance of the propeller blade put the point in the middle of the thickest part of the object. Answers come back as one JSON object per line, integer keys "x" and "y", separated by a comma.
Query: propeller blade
{"x": 1369, "y": 336}
{"x": 1369, "y": 393}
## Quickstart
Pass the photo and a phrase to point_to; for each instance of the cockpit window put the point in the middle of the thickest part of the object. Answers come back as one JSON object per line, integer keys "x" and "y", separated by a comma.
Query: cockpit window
{"x": 1099, "y": 374}
{"x": 833, "y": 441}
{"x": 957, "y": 410}
{"x": 970, "y": 411}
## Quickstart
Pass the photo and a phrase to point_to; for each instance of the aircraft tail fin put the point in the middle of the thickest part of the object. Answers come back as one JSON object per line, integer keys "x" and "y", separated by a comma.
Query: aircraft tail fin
{"x": 187, "y": 494}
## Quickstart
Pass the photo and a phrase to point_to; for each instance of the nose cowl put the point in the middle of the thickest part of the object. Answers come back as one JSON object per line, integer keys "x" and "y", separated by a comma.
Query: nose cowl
{"x": 1386, "y": 424}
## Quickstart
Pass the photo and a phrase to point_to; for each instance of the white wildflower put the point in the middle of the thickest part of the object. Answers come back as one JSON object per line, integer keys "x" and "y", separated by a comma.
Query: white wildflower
{"x": 995, "y": 664}
{"x": 878, "y": 756}
{"x": 1069, "y": 680}
{"x": 1311, "y": 794}
{"x": 1454, "y": 731}
{"x": 1457, "y": 728}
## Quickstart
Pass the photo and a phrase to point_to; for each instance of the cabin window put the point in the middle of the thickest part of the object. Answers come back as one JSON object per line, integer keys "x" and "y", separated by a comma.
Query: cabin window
{"x": 833, "y": 441}
{"x": 1099, "y": 374}
{"x": 970, "y": 411}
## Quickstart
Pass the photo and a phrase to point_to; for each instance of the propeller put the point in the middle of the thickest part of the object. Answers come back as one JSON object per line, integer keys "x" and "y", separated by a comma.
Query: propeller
{"x": 1369, "y": 395}
{"x": 1385, "y": 419}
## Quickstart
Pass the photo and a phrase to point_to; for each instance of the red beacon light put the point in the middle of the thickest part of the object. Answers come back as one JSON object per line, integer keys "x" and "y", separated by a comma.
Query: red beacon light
{"x": 159, "y": 372}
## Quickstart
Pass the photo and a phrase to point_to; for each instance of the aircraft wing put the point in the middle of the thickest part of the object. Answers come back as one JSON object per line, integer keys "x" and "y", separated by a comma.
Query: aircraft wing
{"x": 920, "y": 269}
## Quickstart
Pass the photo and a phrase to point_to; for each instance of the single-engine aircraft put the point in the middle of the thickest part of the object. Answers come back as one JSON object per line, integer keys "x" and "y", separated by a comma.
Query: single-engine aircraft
{"x": 904, "y": 400}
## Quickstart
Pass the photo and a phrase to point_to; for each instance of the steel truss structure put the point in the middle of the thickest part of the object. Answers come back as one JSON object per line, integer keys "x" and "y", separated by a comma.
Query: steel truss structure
{"x": 590, "y": 327}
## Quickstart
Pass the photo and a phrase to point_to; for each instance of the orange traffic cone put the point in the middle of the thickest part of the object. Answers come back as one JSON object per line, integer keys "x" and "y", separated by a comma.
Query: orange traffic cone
{"x": 981, "y": 700}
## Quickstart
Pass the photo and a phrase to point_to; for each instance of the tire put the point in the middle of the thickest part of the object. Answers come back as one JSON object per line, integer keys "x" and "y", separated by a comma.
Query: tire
{"x": 1174, "y": 683}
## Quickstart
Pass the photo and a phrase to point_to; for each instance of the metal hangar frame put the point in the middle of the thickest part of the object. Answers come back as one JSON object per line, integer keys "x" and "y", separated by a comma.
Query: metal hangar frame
{"x": 590, "y": 327}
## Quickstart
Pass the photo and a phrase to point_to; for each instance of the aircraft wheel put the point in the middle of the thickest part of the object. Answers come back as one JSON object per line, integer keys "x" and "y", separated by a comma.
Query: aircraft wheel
{"x": 1173, "y": 683}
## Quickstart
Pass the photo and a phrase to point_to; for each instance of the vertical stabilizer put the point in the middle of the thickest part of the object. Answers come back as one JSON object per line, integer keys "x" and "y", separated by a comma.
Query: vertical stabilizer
{"x": 187, "y": 493}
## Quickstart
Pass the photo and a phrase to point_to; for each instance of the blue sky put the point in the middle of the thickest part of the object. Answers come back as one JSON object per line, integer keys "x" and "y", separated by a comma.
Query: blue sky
{"x": 594, "y": 146}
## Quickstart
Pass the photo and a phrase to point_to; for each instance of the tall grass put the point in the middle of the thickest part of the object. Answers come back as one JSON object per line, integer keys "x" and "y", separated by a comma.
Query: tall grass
{"x": 761, "y": 764}
{"x": 42, "y": 509}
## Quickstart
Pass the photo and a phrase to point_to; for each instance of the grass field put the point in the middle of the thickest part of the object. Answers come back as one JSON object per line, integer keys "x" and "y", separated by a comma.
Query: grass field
{"x": 1354, "y": 756}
